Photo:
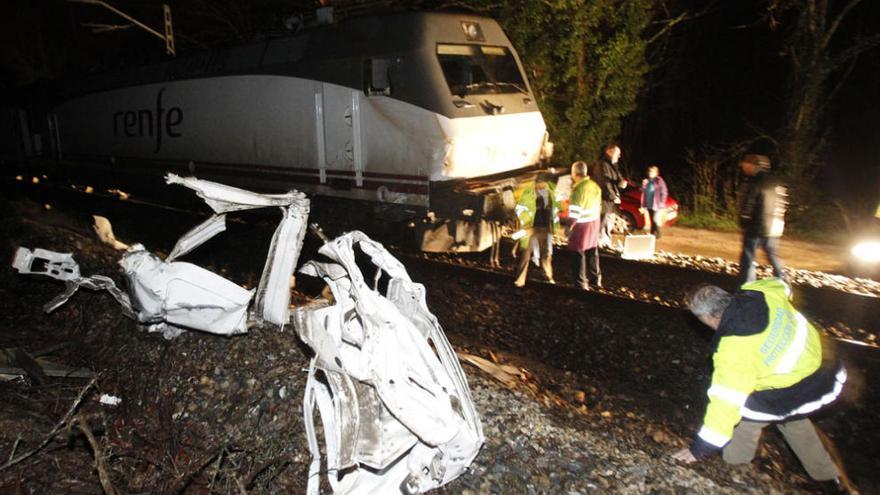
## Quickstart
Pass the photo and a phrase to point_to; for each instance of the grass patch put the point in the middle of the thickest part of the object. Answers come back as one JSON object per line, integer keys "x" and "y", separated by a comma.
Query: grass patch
{"x": 820, "y": 225}
{"x": 707, "y": 221}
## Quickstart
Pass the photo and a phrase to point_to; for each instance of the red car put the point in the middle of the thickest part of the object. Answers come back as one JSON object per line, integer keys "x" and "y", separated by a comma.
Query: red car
{"x": 630, "y": 202}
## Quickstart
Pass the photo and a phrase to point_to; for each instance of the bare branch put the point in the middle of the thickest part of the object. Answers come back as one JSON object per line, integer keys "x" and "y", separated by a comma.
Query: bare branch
{"x": 100, "y": 461}
{"x": 58, "y": 427}
{"x": 836, "y": 23}
{"x": 840, "y": 81}
{"x": 853, "y": 51}
{"x": 668, "y": 25}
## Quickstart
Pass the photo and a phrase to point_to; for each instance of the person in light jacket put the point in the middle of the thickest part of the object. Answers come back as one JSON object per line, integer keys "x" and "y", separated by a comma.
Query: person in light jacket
{"x": 654, "y": 194}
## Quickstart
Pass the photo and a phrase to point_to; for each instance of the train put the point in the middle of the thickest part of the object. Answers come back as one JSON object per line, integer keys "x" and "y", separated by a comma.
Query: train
{"x": 428, "y": 115}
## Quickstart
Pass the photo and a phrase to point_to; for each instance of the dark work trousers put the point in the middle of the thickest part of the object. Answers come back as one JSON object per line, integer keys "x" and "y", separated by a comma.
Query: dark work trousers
{"x": 609, "y": 216}
{"x": 654, "y": 215}
{"x": 747, "y": 260}
{"x": 584, "y": 262}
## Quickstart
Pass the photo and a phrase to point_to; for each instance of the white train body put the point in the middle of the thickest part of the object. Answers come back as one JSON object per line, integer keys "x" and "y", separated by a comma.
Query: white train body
{"x": 403, "y": 109}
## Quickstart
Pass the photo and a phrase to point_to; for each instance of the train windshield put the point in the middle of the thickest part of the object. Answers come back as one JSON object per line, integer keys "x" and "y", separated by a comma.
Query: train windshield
{"x": 478, "y": 69}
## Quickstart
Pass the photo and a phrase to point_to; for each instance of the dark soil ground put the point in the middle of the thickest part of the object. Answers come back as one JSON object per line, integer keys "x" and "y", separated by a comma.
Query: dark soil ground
{"x": 607, "y": 389}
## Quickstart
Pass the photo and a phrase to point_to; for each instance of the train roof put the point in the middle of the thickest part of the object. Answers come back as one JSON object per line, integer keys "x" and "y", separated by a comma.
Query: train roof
{"x": 297, "y": 54}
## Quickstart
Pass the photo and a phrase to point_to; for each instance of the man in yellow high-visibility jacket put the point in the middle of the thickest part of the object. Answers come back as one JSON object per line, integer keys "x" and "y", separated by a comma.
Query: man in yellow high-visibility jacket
{"x": 769, "y": 368}
{"x": 584, "y": 224}
{"x": 538, "y": 213}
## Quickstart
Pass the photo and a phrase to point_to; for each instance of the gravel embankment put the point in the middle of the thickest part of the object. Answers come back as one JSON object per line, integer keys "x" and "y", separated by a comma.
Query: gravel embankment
{"x": 603, "y": 396}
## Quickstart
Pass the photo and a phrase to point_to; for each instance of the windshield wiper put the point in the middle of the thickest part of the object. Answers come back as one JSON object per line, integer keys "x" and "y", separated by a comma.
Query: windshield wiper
{"x": 517, "y": 87}
{"x": 491, "y": 84}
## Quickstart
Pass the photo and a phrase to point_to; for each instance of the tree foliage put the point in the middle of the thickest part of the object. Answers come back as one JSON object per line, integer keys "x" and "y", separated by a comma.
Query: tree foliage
{"x": 586, "y": 62}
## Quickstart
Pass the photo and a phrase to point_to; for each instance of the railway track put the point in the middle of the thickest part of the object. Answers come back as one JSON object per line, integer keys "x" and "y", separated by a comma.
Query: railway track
{"x": 611, "y": 301}
{"x": 851, "y": 318}
{"x": 629, "y": 285}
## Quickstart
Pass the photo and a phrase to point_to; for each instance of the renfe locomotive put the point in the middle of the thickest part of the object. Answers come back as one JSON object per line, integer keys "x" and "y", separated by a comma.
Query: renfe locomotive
{"x": 426, "y": 112}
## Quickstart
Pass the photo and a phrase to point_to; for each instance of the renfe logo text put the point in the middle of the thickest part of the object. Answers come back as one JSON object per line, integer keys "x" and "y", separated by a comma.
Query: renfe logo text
{"x": 148, "y": 122}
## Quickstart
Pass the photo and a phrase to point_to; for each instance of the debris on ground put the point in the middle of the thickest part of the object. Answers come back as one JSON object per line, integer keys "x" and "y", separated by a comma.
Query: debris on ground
{"x": 605, "y": 393}
{"x": 394, "y": 403}
{"x": 395, "y": 408}
{"x": 169, "y": 296}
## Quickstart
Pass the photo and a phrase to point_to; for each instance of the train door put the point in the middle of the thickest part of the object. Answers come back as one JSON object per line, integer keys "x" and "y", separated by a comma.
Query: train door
{"x": 342, "y": 134}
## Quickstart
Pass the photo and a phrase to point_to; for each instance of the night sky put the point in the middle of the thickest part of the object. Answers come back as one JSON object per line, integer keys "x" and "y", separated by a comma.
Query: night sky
{"x": 722, "y": 74}
{"x": 727, "y": 77}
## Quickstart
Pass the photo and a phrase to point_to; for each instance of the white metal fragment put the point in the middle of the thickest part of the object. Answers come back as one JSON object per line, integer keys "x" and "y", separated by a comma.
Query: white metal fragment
{"x": 60, "y": 266}
{"x": 110, "y": 400}
{"x": 183, "y": 295}
{"x": 395, "y": 407}
{"x": 224, "y": 199}
{"x": 197, "y": 236}
{"x": 273, "y": 293}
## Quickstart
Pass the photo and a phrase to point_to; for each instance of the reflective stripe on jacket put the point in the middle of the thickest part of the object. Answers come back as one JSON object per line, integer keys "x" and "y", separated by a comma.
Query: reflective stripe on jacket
{"x": 586, "y": 201}
{"x": 768, "y": 365}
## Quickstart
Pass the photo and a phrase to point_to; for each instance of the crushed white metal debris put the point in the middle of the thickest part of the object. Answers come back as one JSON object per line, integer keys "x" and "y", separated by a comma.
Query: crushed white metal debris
{"x": 395, "y": 407}
{"x": 170, "y": 296}
{"x": 396, "y": 411}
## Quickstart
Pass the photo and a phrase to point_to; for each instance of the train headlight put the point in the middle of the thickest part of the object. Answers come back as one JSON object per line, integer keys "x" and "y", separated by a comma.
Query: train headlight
{"x": 867, "y": 251}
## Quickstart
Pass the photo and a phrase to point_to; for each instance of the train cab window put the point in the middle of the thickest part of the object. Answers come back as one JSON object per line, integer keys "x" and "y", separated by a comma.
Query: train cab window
{"x": 376, "y": 78}
{"x": 479, "y": 69}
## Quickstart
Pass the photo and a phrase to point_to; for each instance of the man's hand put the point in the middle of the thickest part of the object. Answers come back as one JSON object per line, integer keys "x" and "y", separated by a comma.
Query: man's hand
{"x": 617, "y": 201}
{"x": 684, "y": 455}
{"x": 623, "y": 183}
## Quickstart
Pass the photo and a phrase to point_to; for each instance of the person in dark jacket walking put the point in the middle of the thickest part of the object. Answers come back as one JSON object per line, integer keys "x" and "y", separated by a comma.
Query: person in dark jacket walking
{"x": 654, "y": 194}
{"x": 611, "y": 181}
{"x": 761, "y": 216}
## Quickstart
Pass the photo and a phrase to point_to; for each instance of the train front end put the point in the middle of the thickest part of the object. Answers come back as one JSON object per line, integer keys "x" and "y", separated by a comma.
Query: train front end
{"x": 494, "y": 134}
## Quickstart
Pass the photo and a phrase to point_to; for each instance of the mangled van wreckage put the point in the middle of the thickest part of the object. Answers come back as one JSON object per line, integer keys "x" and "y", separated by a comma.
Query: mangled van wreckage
{"x": 395, "y": 409}
{"x": 169, "y": 296}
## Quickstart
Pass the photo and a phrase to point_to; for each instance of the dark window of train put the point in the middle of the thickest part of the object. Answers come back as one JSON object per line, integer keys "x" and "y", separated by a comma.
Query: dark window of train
{"x": 285, "y": 50}
{"x": 376, "y": 78}
{"x": 479, "y": 69}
